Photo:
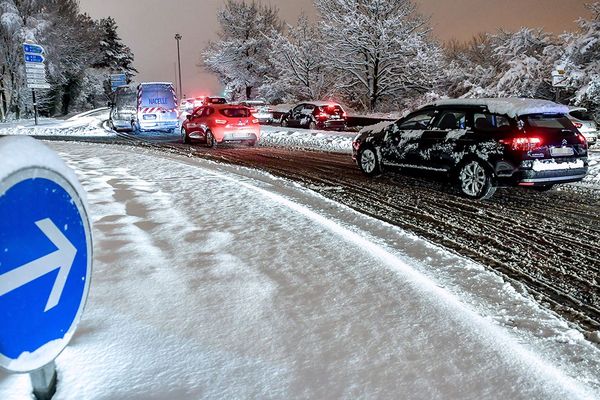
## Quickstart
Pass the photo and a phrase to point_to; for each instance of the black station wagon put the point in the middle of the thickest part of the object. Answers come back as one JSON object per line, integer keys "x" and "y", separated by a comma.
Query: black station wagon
{"x": 480, "y": 144}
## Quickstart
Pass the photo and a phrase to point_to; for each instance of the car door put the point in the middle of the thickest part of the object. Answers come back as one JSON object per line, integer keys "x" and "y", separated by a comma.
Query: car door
{"x": 439, "y": 144}
{"x": 295, "y": 116}
{"x": 401, "y": 142}
{"x": 193, "y": 124}
{"x": 307, "y": 115}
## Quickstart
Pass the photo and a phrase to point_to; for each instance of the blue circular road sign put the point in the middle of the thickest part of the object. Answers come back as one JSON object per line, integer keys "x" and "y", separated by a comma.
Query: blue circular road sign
{"x": 45, "y": 256}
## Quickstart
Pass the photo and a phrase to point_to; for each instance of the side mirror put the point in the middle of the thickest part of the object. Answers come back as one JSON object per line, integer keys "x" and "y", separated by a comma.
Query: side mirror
{"x": 188, "y": 117}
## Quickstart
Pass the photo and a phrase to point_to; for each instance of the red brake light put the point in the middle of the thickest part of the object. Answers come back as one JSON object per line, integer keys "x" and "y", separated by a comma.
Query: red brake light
{"x": 577, "y": 124}
{"x": 344, "y": 115}
{"x": 523, "y": 143}
{"x": 221, "y": 121}
{"x": 582, "y": 138}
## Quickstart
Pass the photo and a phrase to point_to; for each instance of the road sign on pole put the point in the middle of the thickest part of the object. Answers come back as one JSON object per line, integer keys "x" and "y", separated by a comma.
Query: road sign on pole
{"x": 34, "y": 58}
{"x": 45, "y": 256}
{"x": 35, "y": 71}
{"x": 117, "y": 80}
{"x": 33, "y": 48}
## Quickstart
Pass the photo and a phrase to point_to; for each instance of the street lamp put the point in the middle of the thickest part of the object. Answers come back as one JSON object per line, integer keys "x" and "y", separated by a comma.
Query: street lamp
{"x": 178, "y": 38}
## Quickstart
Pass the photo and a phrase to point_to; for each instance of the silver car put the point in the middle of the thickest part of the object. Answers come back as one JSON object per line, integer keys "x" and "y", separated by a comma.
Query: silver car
{"x": 585, "y": 123}
{"x": 260, "y": 110}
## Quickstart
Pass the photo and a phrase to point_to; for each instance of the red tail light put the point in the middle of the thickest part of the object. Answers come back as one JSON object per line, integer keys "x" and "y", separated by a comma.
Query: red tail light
{"x": 523, "y": 143}
{"x": 344, "y": 115}
{"x": 577, "y": 124}
{"x": 582, "y": 139}
{"x": 221, "y": 121}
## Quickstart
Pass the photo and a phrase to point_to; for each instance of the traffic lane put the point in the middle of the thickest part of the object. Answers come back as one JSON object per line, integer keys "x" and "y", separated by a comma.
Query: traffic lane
{"x": 546, "y": 241}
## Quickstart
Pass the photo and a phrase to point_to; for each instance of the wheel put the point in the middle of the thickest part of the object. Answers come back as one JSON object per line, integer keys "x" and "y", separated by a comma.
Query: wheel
{"x": 210, "y": 140}
{"x": 475, "y": 181}
{"x": 284, "y": 122}
{"x": 184, "y": 137}
{"x": 544, "y": 188}
{"x": 134, "y": 127}
{"x": 368, "y": 161}
{"x": 312, "y": 125}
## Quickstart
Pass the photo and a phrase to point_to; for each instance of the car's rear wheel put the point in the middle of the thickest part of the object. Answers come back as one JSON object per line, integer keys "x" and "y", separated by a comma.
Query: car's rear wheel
{"x": 475, "y": 181}
{"x": 210, "y": 140}
{"x": 284, "y": 122}
{"x": 368, "y": 161}
{"x": 184, "y": 137}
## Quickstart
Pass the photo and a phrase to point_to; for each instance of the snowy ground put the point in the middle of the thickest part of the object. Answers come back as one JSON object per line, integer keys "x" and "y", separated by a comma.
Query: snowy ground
{"x": 212, "y": 281}
{"x": 90, "y": 124}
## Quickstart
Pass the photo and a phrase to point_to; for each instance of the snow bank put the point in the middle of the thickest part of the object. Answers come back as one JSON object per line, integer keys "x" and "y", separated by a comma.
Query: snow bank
{"x": 337, "y": 142}
{"x": 88, "y": 124}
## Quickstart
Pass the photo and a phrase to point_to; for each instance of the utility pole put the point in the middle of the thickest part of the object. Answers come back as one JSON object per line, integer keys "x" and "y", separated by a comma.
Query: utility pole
{"x": 178, "y": 38}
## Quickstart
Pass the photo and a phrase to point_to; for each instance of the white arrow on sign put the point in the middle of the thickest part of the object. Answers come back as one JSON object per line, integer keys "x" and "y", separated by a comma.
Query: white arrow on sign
{"x": 60, "y": 259}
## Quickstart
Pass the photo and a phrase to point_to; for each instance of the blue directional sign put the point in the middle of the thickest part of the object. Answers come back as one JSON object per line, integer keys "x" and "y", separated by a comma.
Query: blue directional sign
{"x": 34, "y": 58}
{"x": 33, "y": 48}
{"x": 117, "y": 80}
{"x": 45, "y": 266}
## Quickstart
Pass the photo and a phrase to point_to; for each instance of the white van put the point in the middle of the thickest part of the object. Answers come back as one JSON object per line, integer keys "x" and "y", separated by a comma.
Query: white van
{"x": 157, "y": 107}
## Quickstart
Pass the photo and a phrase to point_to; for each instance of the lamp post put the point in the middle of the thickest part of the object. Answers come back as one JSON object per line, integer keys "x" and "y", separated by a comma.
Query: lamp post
{"x": 178, "y": 38}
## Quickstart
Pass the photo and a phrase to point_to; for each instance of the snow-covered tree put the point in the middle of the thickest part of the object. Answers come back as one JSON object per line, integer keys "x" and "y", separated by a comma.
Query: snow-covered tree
{"x": 75, "y": 55}
{"x": 300, "y": 71}
{"x": 20, "y": 21}
{"x": 240, "y": 56}
{"x": 504, "y": 64}
{"x": 379, "y": 48}
{"x": 581, "y": 60}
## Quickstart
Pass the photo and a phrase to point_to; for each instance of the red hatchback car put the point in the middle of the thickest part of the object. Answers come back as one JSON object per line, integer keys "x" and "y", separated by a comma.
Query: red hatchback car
{"x": 220, "y": 123}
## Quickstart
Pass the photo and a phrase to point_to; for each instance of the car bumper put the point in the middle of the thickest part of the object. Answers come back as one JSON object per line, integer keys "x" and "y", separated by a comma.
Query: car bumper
{"x": 121, "y": 124}
{"x": 264, "y": 118}
{"x": 547, "y": 172}
{"x": 332, "y": 124}
{"x": 158, "y": 125}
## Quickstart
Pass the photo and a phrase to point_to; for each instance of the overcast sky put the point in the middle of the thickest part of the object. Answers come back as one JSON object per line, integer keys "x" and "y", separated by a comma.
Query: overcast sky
{"x": 149, "y": 27}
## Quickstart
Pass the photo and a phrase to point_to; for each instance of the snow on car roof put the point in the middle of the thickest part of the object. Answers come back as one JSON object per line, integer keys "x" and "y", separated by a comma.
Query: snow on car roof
{"x": 511, "y": 106}
{"x": 156, "y": 83}
{"x": 323, "y": 103}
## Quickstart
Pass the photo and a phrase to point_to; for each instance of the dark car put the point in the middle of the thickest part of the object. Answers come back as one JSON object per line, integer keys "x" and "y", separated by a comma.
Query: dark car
{"x": 316, "y": 115}
{"x": 481, "y": 144}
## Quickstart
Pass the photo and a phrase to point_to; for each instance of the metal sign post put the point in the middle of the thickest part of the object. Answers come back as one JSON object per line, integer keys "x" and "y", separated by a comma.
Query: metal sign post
{"x": 46, "y": 260}
{"x": 35, "y": 71}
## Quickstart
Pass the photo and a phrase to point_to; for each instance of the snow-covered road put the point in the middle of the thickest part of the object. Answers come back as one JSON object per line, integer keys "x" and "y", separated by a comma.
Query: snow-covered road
{"x": 214, "y": 281}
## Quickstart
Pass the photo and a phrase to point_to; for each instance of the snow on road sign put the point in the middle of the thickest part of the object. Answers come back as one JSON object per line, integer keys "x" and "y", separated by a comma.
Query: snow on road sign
{"x": 45, "y": 256}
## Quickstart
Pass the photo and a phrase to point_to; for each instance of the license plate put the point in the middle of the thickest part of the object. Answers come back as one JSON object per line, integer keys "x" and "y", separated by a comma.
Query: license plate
{"x": 561, "y": 151}
{"x": 240, "y": 135}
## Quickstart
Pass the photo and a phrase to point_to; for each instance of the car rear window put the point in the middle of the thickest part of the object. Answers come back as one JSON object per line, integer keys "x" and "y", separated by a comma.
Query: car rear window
{"x": 235, "y": 112}
{"x": 332, "y": 109}
{"x": 582, "y": 115}
{"x": 549, "y": 121}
